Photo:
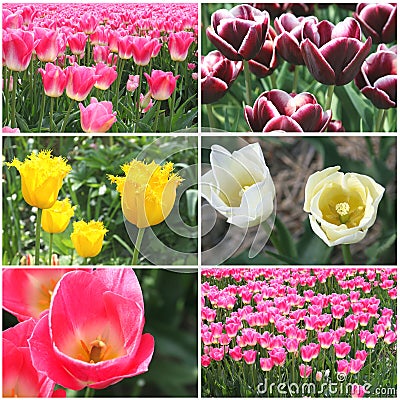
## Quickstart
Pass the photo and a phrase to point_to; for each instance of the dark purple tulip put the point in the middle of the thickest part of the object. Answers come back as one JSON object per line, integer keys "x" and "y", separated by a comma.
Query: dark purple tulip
{"x": 265, "y": 62}
{"x": 334, "y": 54}
{"x": 377, "y": 79}
{"x": 217, "y": 74}
{"x": 335, "y": 126}
{"x": 278, "y": 110}
{"x": 239, "y": 33}
{"x": 289, "y": 29}
{"x": 378, "y": 20}
{"x": 276, "y": 9}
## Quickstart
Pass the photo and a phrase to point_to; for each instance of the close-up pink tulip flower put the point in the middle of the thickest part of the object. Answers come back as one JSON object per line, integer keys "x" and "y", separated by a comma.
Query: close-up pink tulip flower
{"x": 97, "y": 117}
{"x": 93, "y": 333}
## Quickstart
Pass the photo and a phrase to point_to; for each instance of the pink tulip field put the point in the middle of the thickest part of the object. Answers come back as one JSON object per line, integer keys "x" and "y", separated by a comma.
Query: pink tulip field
{"x": 320, "y": 332}
{"x": 99, "y": 67}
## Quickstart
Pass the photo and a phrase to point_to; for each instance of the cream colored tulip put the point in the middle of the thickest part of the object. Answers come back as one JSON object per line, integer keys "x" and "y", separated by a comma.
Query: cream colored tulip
{"x": 342, "y": 206}
{"x": 239, "y": 185}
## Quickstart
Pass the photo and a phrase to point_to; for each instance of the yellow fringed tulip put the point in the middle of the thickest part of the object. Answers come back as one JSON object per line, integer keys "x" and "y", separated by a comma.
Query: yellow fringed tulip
{"x": 41, "y": 177}
{"x": 87, "y": 237}
{"x": 56, "y": 218}
{"x": 147, "y": 191}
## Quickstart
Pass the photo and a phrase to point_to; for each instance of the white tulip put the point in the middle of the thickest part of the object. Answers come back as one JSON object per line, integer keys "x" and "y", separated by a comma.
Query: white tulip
{"x": 239, "y": 185}
{"x": 342, "y": 206}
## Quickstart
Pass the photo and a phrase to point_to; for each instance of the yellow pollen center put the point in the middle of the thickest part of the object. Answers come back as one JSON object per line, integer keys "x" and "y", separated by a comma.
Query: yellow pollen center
{"x": 343, "y": 210}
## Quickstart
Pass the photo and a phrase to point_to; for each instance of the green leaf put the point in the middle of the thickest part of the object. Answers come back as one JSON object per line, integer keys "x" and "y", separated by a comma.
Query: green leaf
{"x": 375, "y": 251}
{"x": 283, "y": 240}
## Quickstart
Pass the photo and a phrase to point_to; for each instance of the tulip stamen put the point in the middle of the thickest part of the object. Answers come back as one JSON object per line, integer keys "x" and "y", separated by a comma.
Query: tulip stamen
{"x": 343, "y": 210}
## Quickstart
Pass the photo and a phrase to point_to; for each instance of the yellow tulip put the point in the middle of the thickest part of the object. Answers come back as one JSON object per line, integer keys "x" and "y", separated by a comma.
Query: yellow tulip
{"x": 41, "y": 177}
{"x": 148, "y": 192}
{"x": 56, "y": 218}
{"x": 87, "y": 237}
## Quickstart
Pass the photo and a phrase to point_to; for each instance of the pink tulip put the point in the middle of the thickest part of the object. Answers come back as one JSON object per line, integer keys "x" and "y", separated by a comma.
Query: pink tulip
{"x": 107, "y": 75}
{"x": 355, "y": 366}
{"x": 343, "y": 367}
{"x": 205, "y": 361}
{"x": 390, "y": 337}
{"x": 47, "y": 48}
{"x": 338, "y": 311}
{"x": 133, "y": 83}
{"x": 305, "y": 370}
{"x": 99, "y": 37}
{"x": 357, "y": 391}
{"x": 88, "y": 23}
{"x": 27, "y": 292}
{"x": 249, "y": 356}
{"x": 162, "y": 84}
{"x": 77, "y": 43}
{"x": 124, "y": 47}
{"x": 11, "y": 21}
{"x": 292, "y": 345}
{"x": 18, "y": 46}
{"x": 92, "y": 335}
{"x": 142, "y": 49}
{"x": 217, "y": 353}
{"x": 370, "y": 340}
{"x": 351, "y": 323}
{"x": 97, "y": 117}
{"x": 232, "y": 329}
{"x": 216, "y": 329}
{"x": 361, "y": 355}
{"x": 178, "y": 45}
{"x": 80, "y": 81}
{"x": 325, "y": 339}
{"x": 266, "y": 364}
{"x": 278, "y": 356}
{"x": 54, "y": 80}
{"x": 7, "y": 129}
{"x": 342, "y": 349}
{"x": 318, "y": 376}
{"x": 20, "y": 378}
{"x": 100, "y": 54}
{"x": 236, "y": 353}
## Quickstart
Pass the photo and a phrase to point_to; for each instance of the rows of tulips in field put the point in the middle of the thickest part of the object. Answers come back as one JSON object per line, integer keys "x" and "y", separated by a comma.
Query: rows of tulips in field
{"x": 306, "y": 67}
{"x": 96, "y": 67}
{"x": 269, "y": 331}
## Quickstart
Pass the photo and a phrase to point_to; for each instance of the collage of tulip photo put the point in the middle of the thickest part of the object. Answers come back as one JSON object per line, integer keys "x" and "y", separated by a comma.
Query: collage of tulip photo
{"x": 289, "y": 332}
{"x": 298, "y": 67}
{"x": 96, "y": 67}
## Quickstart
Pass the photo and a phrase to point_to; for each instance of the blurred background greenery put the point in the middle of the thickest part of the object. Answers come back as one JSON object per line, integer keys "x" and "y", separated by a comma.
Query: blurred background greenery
{"x": 170, "y": 300}
{"x": 87, "y": 186}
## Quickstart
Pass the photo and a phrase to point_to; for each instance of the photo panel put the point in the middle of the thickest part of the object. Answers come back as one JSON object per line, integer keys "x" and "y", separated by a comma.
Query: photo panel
{"x": 99, "y": 67}
{"x": 278, "y": 332}
{"x": 299, "y": 200}
{"x": 108, "y": 332}
{"x": 299, "y": 67}
{"x": 120, "y": 200}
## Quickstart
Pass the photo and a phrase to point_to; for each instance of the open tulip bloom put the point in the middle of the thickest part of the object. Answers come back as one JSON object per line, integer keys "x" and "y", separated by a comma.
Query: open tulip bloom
{"x": 93, "y": 333}
{"x": 239, "y": 185}
{"x": 342, "y": 206}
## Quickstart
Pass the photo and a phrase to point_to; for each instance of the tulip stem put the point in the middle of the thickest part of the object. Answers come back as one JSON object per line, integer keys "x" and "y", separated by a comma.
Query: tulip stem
{"x": 118, "y": 84}
{"x": 67, "y": 116}
{"x": 347, "y": 254}
{"x": 295, "y": 78}
{"x": 329, "y": 96}
{"x": 41, "y": 115}
{"x": 89, "y": 392}
{"x": 247, "y": 79}
{"x": 37, "y": 243}
{"x": 137, "y": 246}
{"x": 379, "y": 120}
{"x": 51, "y": 115}
{"x": 211, "y": 118}
{"x": 155, "y": 126}
{"x": 137, "y": 96}
{"x": 14, "y": 99}
{"x": 171, "y": 114}
{"x": 51, "y": 247}
{"x": 7, "y": 81}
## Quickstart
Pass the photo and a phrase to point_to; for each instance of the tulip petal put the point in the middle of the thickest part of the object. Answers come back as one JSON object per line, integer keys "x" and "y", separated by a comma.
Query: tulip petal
{"x": 309, "y": 117}
{"x": 282, "y": 123}
{"x": 223, "y": 46}
{"x": 288, "y": 47}
{"x": 349, "y": 28}
{"x": 212, "y": 89}
{"x": 316, "y": 63}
